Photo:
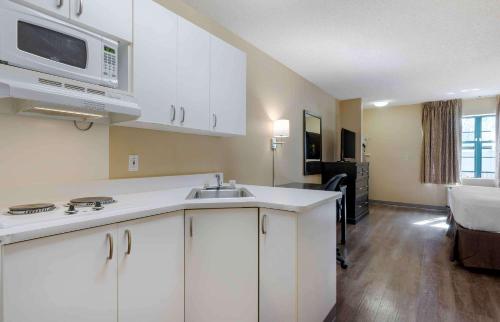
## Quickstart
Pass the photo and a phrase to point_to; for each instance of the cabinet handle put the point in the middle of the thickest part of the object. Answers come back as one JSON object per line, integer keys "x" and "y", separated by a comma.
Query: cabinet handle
{"x": 172, "y": 113}
{"x": 215, "y": 120}
{"x": 129, "y": 241}
{"x": 183, "y": 110}
{"x": 264, "y": 225}
{"x": 80, "y": 8}
{"x": 190, "y": 226}
{"x": 110, "y": 243}
{"x": 60, "y": 3}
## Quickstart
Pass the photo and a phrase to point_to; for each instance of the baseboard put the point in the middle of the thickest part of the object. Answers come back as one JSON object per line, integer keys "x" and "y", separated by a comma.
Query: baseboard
{"x": 332, "y": 315}
{"x": 410, "y": 205}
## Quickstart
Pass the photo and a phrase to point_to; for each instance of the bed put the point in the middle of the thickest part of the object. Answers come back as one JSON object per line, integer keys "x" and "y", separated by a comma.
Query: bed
{"x": 475, "y": 226}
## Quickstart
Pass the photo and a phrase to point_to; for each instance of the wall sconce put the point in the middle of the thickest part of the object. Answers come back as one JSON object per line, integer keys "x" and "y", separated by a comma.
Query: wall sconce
{"x": 281, "y": 129}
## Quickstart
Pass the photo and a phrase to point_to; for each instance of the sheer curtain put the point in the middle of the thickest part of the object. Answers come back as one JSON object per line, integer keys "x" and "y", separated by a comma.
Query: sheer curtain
{"x": 497, "y": 133}
{"x": 442, "y": 129}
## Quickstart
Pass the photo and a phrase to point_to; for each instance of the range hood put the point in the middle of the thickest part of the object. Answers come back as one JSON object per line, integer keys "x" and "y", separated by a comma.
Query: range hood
{"x": 51, "y": 96}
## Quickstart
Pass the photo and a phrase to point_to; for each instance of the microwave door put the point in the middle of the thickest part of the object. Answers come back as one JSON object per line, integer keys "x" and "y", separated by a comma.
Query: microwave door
{"x": 47, "y": 45}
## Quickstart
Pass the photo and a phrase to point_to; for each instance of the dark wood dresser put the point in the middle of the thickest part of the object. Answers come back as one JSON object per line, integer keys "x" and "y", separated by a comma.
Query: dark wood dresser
{"x": 357, "y": 186}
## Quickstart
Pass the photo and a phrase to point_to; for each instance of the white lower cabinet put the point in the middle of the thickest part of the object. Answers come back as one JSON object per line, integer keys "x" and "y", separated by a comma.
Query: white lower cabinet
{"x": 151, "y": 269}
{"x": 127, "y": 272}
{"x": 224, "y": 265}
{"x": 277, "y": 266}
{"x": 68, "y": 277}
{"x": 221, "y": 265}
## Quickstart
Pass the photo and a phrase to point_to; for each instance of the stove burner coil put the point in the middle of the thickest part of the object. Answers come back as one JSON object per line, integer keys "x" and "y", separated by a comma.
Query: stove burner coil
{"x": 31, "y": 209}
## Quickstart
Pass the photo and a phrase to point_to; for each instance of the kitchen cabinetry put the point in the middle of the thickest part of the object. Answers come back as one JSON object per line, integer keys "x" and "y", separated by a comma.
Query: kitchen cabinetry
{"x": 69, "y": 277}
{"x": 58, "y": 8}
{"x": 193, "y": 75}
{"x": 227, "y": 88}
{"x": 316, "y": 248}
{"x": 221, "y": 265}
{"x": 277, "y": 266}
{"x": 132, "y": 271}
{"x": 155, "y": 62}
{"x": 232, "y": 264}
{"x": 185, "y": 80}
{"x": 150, "y": 257}
{"x": 110, "y": 16}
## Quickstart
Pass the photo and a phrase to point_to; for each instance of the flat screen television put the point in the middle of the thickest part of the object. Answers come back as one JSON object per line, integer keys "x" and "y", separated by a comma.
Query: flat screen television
{"x": 347, "y": 145}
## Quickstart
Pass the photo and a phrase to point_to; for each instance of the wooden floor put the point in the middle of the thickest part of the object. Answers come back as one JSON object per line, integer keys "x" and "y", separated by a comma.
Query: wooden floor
{"x": 399, "y": 271}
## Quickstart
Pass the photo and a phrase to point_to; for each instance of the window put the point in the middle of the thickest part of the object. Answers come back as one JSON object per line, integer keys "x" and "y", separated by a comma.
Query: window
{"x": 478, "y": 146}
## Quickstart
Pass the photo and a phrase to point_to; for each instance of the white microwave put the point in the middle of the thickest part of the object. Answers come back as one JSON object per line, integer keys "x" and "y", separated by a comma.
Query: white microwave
{"x": 33, "y": 40}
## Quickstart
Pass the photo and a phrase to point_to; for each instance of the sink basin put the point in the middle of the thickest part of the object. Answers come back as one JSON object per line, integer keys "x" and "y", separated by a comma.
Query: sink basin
{"x": 219, "y": 193}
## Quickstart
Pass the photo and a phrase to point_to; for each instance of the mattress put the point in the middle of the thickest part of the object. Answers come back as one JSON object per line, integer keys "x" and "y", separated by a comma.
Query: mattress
{"x": 476, "y": 208}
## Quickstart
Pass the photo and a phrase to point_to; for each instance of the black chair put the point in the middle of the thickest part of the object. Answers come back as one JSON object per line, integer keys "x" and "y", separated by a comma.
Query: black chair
{"x": 334, "y": 184}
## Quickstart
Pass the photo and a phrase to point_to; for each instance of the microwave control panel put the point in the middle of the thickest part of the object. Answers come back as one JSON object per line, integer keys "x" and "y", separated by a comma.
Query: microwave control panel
{"x": 110, "y": 66}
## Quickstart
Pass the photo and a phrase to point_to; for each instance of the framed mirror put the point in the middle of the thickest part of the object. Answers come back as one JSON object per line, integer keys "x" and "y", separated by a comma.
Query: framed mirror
{"x": 312, "y": 143}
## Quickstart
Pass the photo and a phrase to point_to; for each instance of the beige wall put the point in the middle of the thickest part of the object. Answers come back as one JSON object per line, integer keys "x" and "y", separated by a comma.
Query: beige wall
{"x": 394, "y": 142}
{"x": 40, "y": 151}
{"x": 273, "y": 92}
{"x": 479, "y": 106}
{"x": 47, "y": 151}
{"x": 350, "y": 117}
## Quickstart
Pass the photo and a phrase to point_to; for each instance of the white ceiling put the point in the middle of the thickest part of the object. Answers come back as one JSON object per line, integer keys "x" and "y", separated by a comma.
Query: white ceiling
{"x": 405, "y": 51}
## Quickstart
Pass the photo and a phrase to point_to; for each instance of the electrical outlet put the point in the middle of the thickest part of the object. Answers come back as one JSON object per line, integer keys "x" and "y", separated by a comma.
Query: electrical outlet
{"x": 133, "y": 162}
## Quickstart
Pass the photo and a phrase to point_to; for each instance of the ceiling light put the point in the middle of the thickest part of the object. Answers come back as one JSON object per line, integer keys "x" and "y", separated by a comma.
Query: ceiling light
{"x": 381, "y": 103}
{"x": 470, "y": 90}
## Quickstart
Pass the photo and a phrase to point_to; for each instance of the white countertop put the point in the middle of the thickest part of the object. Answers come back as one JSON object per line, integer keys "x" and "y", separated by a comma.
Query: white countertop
{"x": 137, "y": 205}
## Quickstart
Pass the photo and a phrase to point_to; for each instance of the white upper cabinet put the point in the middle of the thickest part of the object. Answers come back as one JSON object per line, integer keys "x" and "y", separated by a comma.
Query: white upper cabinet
{"x": 184, "y": 79}
{"x": 151, "y": 269}
{"x": 227, "y": 88}
{"x": 155, "y": 62}
{"x": 112, "y": 17}
{"x": 69, "y": 277}
{"x": 193, "y": 75}
{"x": 54, "y": 7}
{"x": 221, "y": 265}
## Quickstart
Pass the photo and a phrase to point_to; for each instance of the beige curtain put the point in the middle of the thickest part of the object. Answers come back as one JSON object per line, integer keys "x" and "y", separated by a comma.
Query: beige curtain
{"x": 497, "y": 175}
{"x": 442, "y": 127}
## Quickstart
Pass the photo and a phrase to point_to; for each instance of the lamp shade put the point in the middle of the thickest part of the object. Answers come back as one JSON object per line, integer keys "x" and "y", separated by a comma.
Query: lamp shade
{"x": 281, "y": 128}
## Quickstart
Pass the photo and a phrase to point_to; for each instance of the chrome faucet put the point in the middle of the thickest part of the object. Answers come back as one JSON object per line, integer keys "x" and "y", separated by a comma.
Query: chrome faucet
{"x": 219, "y": 180}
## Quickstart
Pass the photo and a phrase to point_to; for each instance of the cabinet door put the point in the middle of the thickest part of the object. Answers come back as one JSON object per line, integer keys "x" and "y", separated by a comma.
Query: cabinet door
{"x": 155, "y": 61}
{"x": 68, "y": 277}
{"x": 151, "y": 270}
{"x": 112, "y": 17}
{"x": 193, "y": 75}
{"x": 221, "y": 265}
{"x": 227, "y": 88}
{"x": 54, "y": 7}
{"x": 278, "y": 266}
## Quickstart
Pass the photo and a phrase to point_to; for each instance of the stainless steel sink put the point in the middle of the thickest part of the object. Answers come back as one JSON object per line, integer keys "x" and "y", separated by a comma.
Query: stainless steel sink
{"x": 214, "y": 193}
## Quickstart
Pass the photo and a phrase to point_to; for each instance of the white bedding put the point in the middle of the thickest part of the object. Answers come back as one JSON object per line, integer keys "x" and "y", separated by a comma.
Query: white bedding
{"x": 476, "y": 208}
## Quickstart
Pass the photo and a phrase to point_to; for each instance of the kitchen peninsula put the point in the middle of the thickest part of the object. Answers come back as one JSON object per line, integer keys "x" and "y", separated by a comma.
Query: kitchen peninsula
{"x": 152, "y": 251}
